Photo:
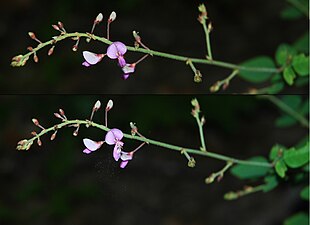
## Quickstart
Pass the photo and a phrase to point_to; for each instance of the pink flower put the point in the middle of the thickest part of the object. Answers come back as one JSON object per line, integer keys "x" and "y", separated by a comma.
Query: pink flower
{"x": 91, "y": 58}
{"x": 117, "y": 50}
{"x": 91, "y": 145}
{"x": 113, "y": 137}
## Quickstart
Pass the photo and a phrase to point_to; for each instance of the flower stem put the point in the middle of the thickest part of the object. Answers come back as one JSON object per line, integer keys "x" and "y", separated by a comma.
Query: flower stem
{"x": 27, "y": 143}
{"x": 142, "y": 50}
{"x": 207, "y": 34}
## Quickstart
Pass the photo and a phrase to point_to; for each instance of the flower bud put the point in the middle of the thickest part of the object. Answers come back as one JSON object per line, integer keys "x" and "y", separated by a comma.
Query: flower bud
{"x": 35, "y": 121}
{"x": 99, "y": 18}
{"x": 56, "y": 27}
{"x": 35, "y": 58}
{"x": 32, "y": 35}
{"x": 109, "y": 105}
{"x": 97, "y": 105}
{"x": 51, "y": 50}
{"x": 112, "y": 17}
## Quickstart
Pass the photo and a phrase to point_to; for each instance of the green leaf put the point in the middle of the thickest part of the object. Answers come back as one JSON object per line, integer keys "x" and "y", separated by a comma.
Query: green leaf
{"x": 304, "y": 194}
{"x": 275, "y": 88}
{"x": 271, "y": 182}
{"x": 276, "y": 151}
{"x": 297, "y": 219}
{"x": 302, "y": 44}
{"x": 281, "y": 168}
{"x": 293, "y": 101}
{"x": 301, "y": 64}
{"x": 297, "y": 158}
{"x": 285, "y": 121}
{"x": 291, "y": 13}
{"x": 289, "y": 75}
{"x": 284, "y": 54}
{"x": 255, "y": 76}
{"x": 249, "y": 172}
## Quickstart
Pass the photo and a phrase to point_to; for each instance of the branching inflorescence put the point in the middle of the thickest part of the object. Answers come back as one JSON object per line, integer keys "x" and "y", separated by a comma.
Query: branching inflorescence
{"x": 115, "y": 137}
{"x": 280, "y": 158}
{"x": 117, "y": 50}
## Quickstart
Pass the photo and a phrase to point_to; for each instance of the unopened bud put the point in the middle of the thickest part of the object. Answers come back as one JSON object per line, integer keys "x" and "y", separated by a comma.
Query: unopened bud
{"x": 29, "y": 48}
{"x": 39, "y": 142}
{"x": 136, "y": 36}
{"x": 197, "y": 77}
{"x": 32, "y": 35}
{"x": 57, "y": 115}
{"x": 112, "y": 17}
{"x": 215, "y": 87}
{"x": 97, "y": 106}
{"x": 51, "y": 50}
{"x": 62, "y": 112}
{"x": 210, "y": 179}
{"x": 33, "y": 133}
{"x": 99, "y": 18}
{"x": 35, "y": 58}
{"x": 76, "y": 132}
{"x": 35, "y": 121}
{"x": 74, "y": 48}
{"x": 134, "y": 128}
{"x": 109, "y": 105}
{"x": 203, "y": 120}
{"x": 53, "y": 135}
{"x": 61, "y": 25}
{"x": 56, "y": 27}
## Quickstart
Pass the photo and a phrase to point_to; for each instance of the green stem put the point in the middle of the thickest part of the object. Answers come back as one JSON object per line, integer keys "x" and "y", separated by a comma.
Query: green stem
{"x": 24, "y": 143}
{"x": 207, "y": 34}
{"x": 147, "y": 51}
{"x": 202, "y": 139}
{"x": 287, "y": 109}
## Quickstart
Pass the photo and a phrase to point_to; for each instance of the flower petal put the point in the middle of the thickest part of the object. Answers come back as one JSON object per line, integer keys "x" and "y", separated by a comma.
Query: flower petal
{"x": 113, "y": 136}
{"x": 91, "y": 145}
{"x": 86, "y": 64}
{"x": 125, "y": 156}
{"x": 117, "y": 152}
{"x": 92, "y": 58}
{"x": 125, "y": 76}
{"x": 123, "y": 164}
{"x": 116, "y": 49}
{"x": 128, "y": 68}
{"x": 121, "y": 61}
{"x": 87, "y": 151}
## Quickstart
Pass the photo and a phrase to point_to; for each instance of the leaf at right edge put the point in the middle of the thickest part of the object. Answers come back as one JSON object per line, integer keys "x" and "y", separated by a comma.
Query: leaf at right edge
{"x": 295, "y": 158}
{"x": 298, "y": 219}
{"x": 280, "y": 168}
{"x": 304, "y": 194}
{"x": 255, "y": 76}
{"x": 301, "y": 64}
{"x": 249, "y": 172}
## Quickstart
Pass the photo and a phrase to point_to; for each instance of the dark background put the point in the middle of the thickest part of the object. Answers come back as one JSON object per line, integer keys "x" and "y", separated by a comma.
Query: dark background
{"x": 242, "y": 30}
{"x": 58, "y": 184}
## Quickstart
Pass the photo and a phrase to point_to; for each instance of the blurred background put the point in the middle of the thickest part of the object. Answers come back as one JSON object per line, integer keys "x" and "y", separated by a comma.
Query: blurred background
{"x": 58, "y": 184}
{"x": 242, "y": 30}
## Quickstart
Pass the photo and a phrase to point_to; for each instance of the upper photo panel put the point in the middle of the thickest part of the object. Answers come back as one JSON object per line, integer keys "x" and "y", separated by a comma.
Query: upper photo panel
{"x": 154, "y": 47}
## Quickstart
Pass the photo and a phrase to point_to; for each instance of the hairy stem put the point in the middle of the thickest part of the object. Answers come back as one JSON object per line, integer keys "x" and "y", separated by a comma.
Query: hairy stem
{"x": 147, "y": 51}
{"x": 88, "y": 123}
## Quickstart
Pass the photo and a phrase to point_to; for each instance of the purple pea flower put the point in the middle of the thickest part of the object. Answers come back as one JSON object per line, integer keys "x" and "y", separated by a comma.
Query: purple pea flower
{"x": 91, "y": 145}
{"x": 114, "y": 137}
{"x": 117, "y": 50}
